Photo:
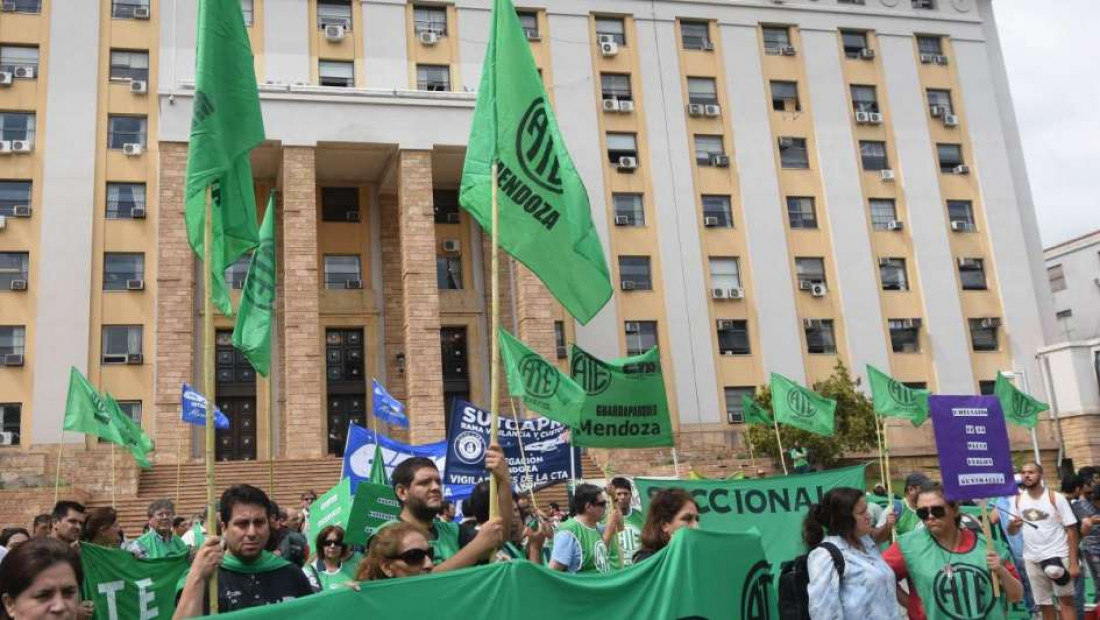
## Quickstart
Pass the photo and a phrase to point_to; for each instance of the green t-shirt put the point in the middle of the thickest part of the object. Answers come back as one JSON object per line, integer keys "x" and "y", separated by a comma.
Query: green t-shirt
{"x": 444, "y": 540}
{"x": 333, "y": 580}
{"x": 628, "y": 541}
{"x": 152, "y": 546}
{"x": 952, "y": 586}
{"x": 594, "y": 556}
{"x": 798, "y": 457}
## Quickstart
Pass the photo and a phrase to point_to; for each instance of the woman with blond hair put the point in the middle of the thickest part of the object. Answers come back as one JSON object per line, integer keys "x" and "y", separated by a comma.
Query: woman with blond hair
{"x": 398, "y": 549}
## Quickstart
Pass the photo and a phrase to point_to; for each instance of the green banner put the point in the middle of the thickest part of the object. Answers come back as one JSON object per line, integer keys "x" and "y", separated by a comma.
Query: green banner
{"x": 626, "y": 405}
{"x": 692, "y": 578}
{"x": 124, "y": 587}
{"x": 755, "y": 414}
{"x": 332, "y": 508}
{"x": 375, "y": 504}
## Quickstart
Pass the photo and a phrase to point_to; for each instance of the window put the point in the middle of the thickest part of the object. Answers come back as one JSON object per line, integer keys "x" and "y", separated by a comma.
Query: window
{"x": 236, "y": 273}
{"x": 707, "y": 148}
{"x": 915, "y": 385}
{"x": 702, "y": 90}
{"x": 340, "y": 204}
{"x": 716, "y": 210}
{"x": 961, "y": 211}
{"x": 983, "y": 334}
{"x": 17, "y": 126}
{"x": 792, "y": 153}
{"x": 776, "y": 38}
{"x": 930, "y": 44}
{"x": 120, "y": 342}
{"x": 924, "y": 4}
{"x": 1062, "y": 315}
{"x": 123, "y": 130}
{"x": 616, "y": 86}
{"x": 430, "y": 19}
{"x": 14, "y": 194}
{"x": 445, "y": 206}
{"x": 26, "y": 6}
{"x": 725, "y": 272}
{"x": 12, "y": 340}
{"x": 119, "y": 267}
{"x": 820, "y": 337}
{"x": 785, "y": 96}
{"x": 864, "y": 98}
{"x": 621, "y": 145}
{"x": 129, "y": 65}
{"x": 810, "y": 269}
{"x": 641, "y": 336}
{"x": 132, "y": 409}
{"x": 448, "y": 272}
{"x": 854, "y": 43}
{"x": 972, "y": 274}
{"x": 950, "y": 155}
{"x": 695, "y": 35}
{"x": 873, "y": 155}
{"x": 529, "y": 20}
{"x": 629, "y": 206}
{"x": 939, "y": 102}
{"x": 434, "y": 78}
{"x": 13, "y": 266}
{"x": 336, "y": 73}
{"x": 883, "y": 212}
{"x": 733, "y": 337}
{"x": 559, "y": 340}
{"x": 904, "y": 335}
{"x": 801, "y": 212}
{"x": 987, "y": 388}
{"x": 634, "y": 271}
{"x": 12, "y": 56}
{"x": 342, "y": 269}
{"x": 893, "y": 274}
{"x": 735, "y": 409}
{"x": 249, "y": 12}
{"x": 126, "y": 9}
{"x": 335, "y": 12}
{"x": 9, "y": 420}
{"x": 123, "y": 198}
{"x": 1057, "y": 276}
{"x": 611, "y": 27}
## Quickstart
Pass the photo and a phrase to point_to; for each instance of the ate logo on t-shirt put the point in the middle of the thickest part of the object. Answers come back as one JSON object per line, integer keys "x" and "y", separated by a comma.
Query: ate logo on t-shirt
{"x": 1034, "y": 514}
{"x": 963, "y": 592}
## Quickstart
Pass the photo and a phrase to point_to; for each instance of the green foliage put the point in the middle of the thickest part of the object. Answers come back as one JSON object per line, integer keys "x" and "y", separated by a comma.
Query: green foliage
{"x": 855, "y": 423}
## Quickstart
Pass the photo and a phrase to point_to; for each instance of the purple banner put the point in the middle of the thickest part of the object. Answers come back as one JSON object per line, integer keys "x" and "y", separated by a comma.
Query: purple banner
{"x": 972, "y": 441}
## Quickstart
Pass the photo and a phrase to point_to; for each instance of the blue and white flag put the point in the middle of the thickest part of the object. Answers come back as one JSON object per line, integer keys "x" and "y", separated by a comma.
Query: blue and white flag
{"x": 387, "y": 408}
{"x": 359, "y": 456}
{"x": 194, "y": 409}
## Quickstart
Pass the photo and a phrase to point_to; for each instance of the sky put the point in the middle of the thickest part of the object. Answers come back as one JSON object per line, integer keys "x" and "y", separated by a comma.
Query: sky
{"x": 1051, "y": 56}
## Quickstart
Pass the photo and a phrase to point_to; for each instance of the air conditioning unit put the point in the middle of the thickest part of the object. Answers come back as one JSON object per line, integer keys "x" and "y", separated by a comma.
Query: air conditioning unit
{"x": 13, "y": 359}
{"x": 21, "y": 211}
{"x": 336, "y": 32}
{"x": 720, "y": 161}
{"x": 950, "y": 120}
{"x": 718, "y": 293}
{"x": 961, "y": 169}
{"x": 710, "y": 221}
{"x": 622, "y": 220}
{"x": 7, "y": 438}
{"x": 22, "y": 146}
{"x": 818, "y": 290}
{"x": 787, "y": 50}
{"x": 910, "y": 323}
{"x": 137, "y": 213}
{"x": 875, "y": 118}
{"x": 5, "y": 147}
{"x": 610, "y": 105}
{"x": 353, "y": 284}
{"x": 135, "y": 358}
{"x": 967, "y": 263}
{"x": 608, "y": 45}
{"x": 991, "y": 321}
{"x": 627, "y": 285}
{"x": 786, "y": 142}
{"x": 937, "y": 111}
{"x": 5, "y": 78}
{"x": 960, "y": 226}
{"x": 114, "y": 358}
{"x": 712, "y": 109}
{"x": 141, "y": 12}
{"x": 886, "y": 175}
{"x": 632, "y": 327}
{"x": 428, "y": 37}
{"x": 532, "y": 35}
{"x": 452, "y": 246}
{"x": 135, "y": 285}
{"x": 805, "y": 285}
{"x": 626, "y": 106}
{"x": 696, "y": 109}
{"x": 139, "y": 87}
{"x": 18, "y": 285}
{"x": 811, "y": 323}
{"x": 132, "y": 149}
{"x": 867, "y": 53}
{"x": 24, "y": 73}
{"x": 724, "y": 324}
{"x": 862, "y": 118}
{"x": 927, "y": 59}
{"x": 351, "y": 216}
{"x": 895, "y": 225}
{"x": 3, "y": 222}
{"x": 707, "y": 45}
{"x": 940, "y": 59}
{"x": 883, "y": 261}
{"x": 628, "y": 164}
{"x": 735, "y": 293}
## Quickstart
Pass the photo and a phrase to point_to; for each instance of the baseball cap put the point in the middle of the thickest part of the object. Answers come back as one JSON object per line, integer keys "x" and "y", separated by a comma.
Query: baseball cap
{"x": 916, "y": 479}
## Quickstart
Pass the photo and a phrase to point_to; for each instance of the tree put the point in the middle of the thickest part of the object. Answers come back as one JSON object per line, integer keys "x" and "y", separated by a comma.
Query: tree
{"x": 855, "y": 423}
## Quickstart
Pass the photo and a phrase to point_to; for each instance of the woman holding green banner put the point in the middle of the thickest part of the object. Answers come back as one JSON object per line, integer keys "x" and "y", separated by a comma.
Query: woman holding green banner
{"x": 331, "y": 568}
{"x": 669, "y": 510}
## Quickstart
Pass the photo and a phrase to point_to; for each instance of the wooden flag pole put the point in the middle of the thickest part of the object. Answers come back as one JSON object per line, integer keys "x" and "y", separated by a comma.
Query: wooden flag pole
{"x": 886, "y": 457}
{"x": 208, "y": 381}
{"x": 113, "y": 485}
{"x": 494, "y": 355}
{"x": 179, "y": 463}
{"x": 523, "y": 456}
{"x": 779, "y": 441}
{"x": 752, "y": 456}
{"x": 988, "y": 536}
{"x": 57, "y": 476}
{"x": 881, "y": 456}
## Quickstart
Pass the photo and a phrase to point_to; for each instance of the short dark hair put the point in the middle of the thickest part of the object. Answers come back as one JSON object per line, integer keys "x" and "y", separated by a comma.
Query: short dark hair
{"x": 1037, "y": 466}
{"x": 44, "y": 518}
{"x": 178, "y": 521}
{"x": 1095, "y": 495}
{"x": 1088, "y": 471}
{"x": 22, "y": 565}
{"x": 61, "y": 509}
{"x": 446, "y": 504}
{"x": 477, "y": 505}
{"x": 405, "y": 471}
{"x": 621, "y": 483}
{"x": 243, "y": 494}
{"x": 319, "y": 541}
{"x": 1072, "y": 482}
{"x": 99, "y": 519}
{"x": 583, "y": 496}
{"x": 7, "y": 533}
{"x": 160, "y": 504}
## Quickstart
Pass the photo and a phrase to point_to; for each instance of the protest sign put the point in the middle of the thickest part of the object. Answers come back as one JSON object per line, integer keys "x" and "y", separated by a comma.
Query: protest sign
{"x": 122, "y": 586}
{"x": 544, "y": 444}
{"x": 359, "y": 455}
{"x": 374, "y": 505}
{"x": 973, "y": 448}
{"x": 625, "y": 404}
{"x": 332, "y": 508}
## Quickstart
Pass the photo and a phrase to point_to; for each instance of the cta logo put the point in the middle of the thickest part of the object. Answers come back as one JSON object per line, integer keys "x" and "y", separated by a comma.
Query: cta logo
{"x": 592, "y": 375}
{"x": 540, "y": 379}
{"x": 535, "y": 148}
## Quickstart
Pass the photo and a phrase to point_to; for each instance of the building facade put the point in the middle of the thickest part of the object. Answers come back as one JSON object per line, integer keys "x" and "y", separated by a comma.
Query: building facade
{"x": 1073, "y": 270}
{"x": 778, "y": 186}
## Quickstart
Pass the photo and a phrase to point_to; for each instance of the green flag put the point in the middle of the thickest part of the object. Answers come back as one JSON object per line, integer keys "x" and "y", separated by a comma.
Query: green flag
{"x": 625, "y": 404}
{"x": 132, "y": 436}
{"x": 893, "y": 400}
{"x": 800, "y": 407}
{"x": 545, "y": 219}
{"x": 378, "y": 467}
{"x": 1019, "y": 408}
{"x": 542, "y": 386}
{"x": 225, "y": 125}
{"x": 122, "y": 586}
{"x": 252, "y": 333}
{"x": 754, "y": 413}
{"x": 86, "y": 411}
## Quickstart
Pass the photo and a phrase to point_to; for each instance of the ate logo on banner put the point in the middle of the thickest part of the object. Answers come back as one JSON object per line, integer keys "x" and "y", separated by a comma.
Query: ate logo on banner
{"x": 540, "y": 379}
{"x": 535, "y": 148}
{"x": 756, "y": 595}
{"x": 902, "y": 395}
{"x": 260, "y": 287}
{"x": 593, "y": 376}
{"x": 800, "y": 404}
{"x": 963, "y": 592}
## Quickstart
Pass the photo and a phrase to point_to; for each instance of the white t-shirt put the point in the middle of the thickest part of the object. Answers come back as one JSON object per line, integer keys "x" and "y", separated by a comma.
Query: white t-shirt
{"x": 1048, "y": 539}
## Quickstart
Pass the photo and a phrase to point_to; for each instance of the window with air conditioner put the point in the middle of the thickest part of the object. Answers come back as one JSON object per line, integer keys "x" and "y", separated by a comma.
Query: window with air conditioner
{"x": 904, "y": 335}
{"x": 854, "y": 42}
{"x": 340, "y": 269}
{"x": 430, "y": 19}
{"x": 707, "y": 148}
{"x": 129, "y": 9}
{"x": 123, "y": 130}
{"x": 983, "y": 334}
{"x": 248, "y": 10}
{"x": 17, "y": 126}
{"x": 120, "y": 342}
{"x": 433, "y": 78}
{"x": 1057, "y": 276}
{"x": 448, "y": 272}
{"x": 14, "y": 266}
{"x": 733, "y": 337}
{"x": 236, "y": 273}
{"x": 735, "y": 408}
{"x": 972, "y": 274}
{"x": 336, "y": 73}
{"x": 785, "y": 96}
{"x": 12, "y": 340}
{"x": 122, "y": 268}
{"x": 884, "y": 212}
{"x": 340, "y": 204}
{"x": 32, "y": 7}
{"x": 695, "y": 35}
{"x": 820, "y": 337}
{"x": 616, "y": 86}
{"x": 445, "y": 206}
{"x": 872, "y": 155}
{"x": 939, "y": 102}
{"x": 776, "y": 38}
{"x": 725, "y": 272}
{"x": 864, "y": 98}
{"x": 930, "y": 45}
{"x": 334, "y": 13}
{"x": 636, "y": 271}
{"x": 717, "y": 211}
{"x": 529, "y": 21}
{"x": 962, "y": 212}
{"x": 13, "y": 57}
{"x": 950, "y": 156}
{"x": 641, "y": 336}
{"x": 10, "y": 421}
{"x": 629, "y": 209}
{"x": 793, "y": 153}
{"x": 123, "y": 199}
{"x": 801, "y": 212}
{"x": 702, "y": 91}
{"x": 130, "y": 65}
{"x": 613, "y": 27}
{"x": 810, "y": 269}
{"x": 893, "y": 274}
{"x": 14, "y": 194}
{"x": 621, "y": 145}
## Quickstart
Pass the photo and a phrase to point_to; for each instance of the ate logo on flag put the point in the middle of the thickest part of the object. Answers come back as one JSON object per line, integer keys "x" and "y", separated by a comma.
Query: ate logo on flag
{"x": 800, "y": 404}
{"x": 593, "y": 376}
{"x": 535, "y": 148}
{"x": 1021, "y": 406}
{"x": 260, "y": 288}
{"x": 756, "y": 593}
{"x": 901, "y": 395}
{"x": 540, "y": 379}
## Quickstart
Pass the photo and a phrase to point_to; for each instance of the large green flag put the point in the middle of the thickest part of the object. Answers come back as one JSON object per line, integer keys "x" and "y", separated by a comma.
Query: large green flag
{"x": 801, "y": 408}
{"x": 86, "y": 411}
{"x": 252, "y": 333}
{"x": 625, "y": 404}
{"x": 545, "y": 221}
{"x": 542, "y": 386}
{"x": 698, "y": 575}
{"x": 122, "y": 586}
{"x": 132, "y": 436}
{"x": 755, "y": 414}
{"x": 892, "y": 399}
{"x": 378, "y": 467}
{"x": 1019, "y": 408}
{"x": 225, "y": 125}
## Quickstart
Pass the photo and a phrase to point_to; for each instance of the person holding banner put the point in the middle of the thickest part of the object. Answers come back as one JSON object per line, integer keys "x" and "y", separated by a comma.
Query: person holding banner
{"x": 38, "y": 579}
{"x": 102, "y": 528}
{"x": 669, "y": 510}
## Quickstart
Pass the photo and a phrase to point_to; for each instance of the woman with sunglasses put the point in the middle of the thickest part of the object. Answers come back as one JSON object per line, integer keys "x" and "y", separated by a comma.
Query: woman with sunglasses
{"x": 949, "y": 567}
{"x": 332, "y": 569}
{"x": 670, "y": 510}
{"x": 398, "y": 549}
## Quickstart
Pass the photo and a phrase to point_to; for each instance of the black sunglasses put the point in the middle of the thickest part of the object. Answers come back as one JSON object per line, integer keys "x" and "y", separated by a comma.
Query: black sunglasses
{"x": 415, "y": 556}
{"x": 936, "y": 511}
{"x": 334, "y": 543}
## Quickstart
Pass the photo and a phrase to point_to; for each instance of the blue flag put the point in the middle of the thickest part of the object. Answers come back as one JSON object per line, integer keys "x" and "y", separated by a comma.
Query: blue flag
{"x": 194, "y": 409}
{"x": 360, "y": 451}
{"x": 387, "y": 408}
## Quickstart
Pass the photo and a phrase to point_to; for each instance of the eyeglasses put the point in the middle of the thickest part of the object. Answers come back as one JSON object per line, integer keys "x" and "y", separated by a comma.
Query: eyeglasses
{"x": 415, "y": 556}
{"x": 334, "y": 543}
{"x": 935, "y": 511}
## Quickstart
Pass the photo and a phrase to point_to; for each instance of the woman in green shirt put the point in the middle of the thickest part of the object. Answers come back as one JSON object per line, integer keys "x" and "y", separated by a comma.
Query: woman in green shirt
{"x": 331, "y": 568}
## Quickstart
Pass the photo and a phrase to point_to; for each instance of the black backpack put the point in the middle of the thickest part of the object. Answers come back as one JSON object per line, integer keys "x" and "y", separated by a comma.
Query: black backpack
{"x": 794, "y": 579}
